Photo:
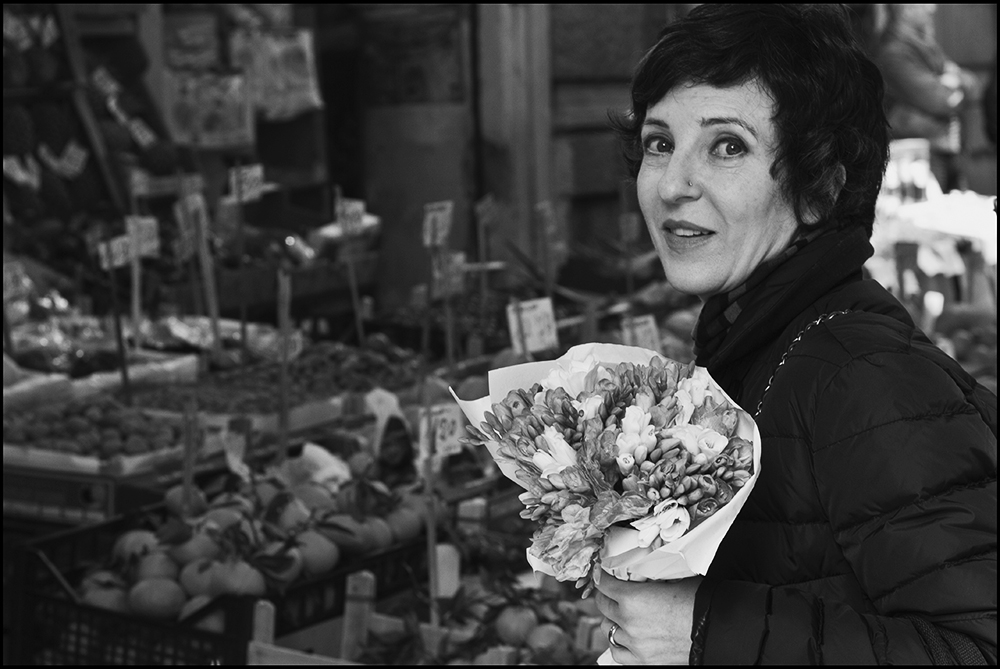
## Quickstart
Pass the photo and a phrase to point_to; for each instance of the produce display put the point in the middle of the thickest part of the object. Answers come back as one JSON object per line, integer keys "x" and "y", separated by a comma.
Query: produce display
{"x": 321, "y": 371}
{"x": 100, "y": 426}
{"x": 257, "y": 538}
{"x": 494, "y": 618}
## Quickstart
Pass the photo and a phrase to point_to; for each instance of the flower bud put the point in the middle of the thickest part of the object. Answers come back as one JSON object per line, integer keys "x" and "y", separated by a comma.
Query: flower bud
{"x": 527, "y": 499}
{"x": 665, "y": 492}
{"x": 646, "y": 467}
{"x": 630, "y": 483}
{"x": 626, "y": 462}
{"x": 640, "y": 453}
{"x": 557, "y": 481}
{"x": 707, "y": 485}
{"x": 695, "y": 495}
{"x": 656, "y": 454}
{"x": 653, "y": 494}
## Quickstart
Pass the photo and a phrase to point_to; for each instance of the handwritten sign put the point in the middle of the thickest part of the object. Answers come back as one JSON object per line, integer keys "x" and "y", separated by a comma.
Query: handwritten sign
{"x": 16, "y": 283}
{"x": 448, "y": 423}
{"x": 116, "y": 252}
{"x": 247, "y": 182}
{"x": 437, "y": 222}
{"x": 537, "y": 318}
{"x": 350, "y": 215}
{"x": 449, "y": 274}
{"x": 145, "y": 234}
{"x": 641, "y": 331}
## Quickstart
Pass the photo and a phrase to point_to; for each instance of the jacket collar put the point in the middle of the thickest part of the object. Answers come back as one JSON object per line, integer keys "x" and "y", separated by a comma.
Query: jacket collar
{"x": 829, "y": 260}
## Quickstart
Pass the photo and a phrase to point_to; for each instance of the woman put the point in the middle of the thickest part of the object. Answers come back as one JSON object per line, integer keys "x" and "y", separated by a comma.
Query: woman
{"x": 758, "y": 141}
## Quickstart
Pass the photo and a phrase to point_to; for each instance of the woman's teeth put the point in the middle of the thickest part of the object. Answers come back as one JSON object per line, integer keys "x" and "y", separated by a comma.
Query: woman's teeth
{"x": 689, "y": 233}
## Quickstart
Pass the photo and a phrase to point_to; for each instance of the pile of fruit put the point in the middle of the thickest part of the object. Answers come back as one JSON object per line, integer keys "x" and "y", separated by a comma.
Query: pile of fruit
{"x": 493, "y": 620}
{"x": 257, "y": 539}
{"x": 323, "y": 370}
{"x": 100, "y": 426}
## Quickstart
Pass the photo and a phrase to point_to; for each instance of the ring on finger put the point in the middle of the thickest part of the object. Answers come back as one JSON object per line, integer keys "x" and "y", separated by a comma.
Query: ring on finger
{"x": 611, "y": 636}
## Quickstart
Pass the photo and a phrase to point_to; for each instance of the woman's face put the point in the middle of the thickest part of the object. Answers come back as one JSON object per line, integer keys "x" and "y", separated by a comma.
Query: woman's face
{"x": 705, "y": 188}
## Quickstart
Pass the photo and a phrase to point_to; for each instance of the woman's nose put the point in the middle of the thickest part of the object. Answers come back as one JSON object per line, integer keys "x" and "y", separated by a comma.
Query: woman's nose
{"x": 678, "y": 180}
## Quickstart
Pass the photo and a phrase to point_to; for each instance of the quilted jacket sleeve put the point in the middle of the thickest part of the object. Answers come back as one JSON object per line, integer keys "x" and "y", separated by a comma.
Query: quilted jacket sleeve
{"x": 904, "y": 462}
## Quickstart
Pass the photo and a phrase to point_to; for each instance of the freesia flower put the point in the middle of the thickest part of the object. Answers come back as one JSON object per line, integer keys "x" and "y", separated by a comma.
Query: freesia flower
{"x": 668, "y": 521}
{"x": 691, "y": 394}
{"x": 559, "y": 455}
{"x": 626, "y": 461}
{"x": 636, "y": 431}
{"x": 572, "y": 376}
{"x": 697, "y": 439}
{"x": 590, "y": 406}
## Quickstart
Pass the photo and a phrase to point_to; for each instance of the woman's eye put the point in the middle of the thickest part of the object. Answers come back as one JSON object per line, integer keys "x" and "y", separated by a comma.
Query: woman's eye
{"x": 657, "y": 145}
{"x": 729, "y": 148}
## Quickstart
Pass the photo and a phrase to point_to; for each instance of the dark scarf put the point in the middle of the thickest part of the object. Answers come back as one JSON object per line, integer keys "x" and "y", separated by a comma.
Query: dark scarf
{"x": 720, "y": 312}
{"x": 777, "y": 291}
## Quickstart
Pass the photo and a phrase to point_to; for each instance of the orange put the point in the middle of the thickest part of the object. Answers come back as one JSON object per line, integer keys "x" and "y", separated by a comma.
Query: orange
{"x": 158, "y": 598}
{"x": 196, "y": 577}
{"x": 406, "y": 524}
{"x": 156, "y": 565}
{"x": 515, "y": 623}
{"x": 319, "y": 554}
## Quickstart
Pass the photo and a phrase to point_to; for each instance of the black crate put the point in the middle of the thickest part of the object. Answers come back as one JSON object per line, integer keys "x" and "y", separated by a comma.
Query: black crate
{"x": 50, "y": 627}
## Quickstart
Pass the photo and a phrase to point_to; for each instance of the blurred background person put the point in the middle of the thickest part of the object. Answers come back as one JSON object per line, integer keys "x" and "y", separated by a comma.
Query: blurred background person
{"x": 925, "y": 90}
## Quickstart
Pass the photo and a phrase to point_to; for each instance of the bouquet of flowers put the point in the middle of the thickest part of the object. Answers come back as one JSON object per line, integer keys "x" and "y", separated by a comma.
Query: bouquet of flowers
{"x": 632, "y": 463}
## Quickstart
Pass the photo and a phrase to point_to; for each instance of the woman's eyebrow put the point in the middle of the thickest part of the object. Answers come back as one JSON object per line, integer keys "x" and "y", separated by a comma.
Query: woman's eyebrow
{"x": 727, "y": 120}
{"x": 657, "y": 123}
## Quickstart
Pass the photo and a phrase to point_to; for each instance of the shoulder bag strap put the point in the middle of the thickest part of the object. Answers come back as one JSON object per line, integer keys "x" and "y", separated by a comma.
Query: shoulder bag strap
{"x": 822, "y": 319}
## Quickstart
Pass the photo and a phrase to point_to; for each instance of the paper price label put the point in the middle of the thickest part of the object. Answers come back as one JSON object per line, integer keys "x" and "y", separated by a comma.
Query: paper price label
{"x": 629, "y": 225}
{"x": 449, "y": 274}
{"x": 246, "y": 183}
{"x": 141, "y": 133}
{"x": 139, "y": 183}
{"x": 116, "y": 252}
{"x": 538, "y": 321}
{"x": 550, "y": 226}
{"x": 350, "y": 215}
{"x": 105, "y": 83}
{"x": 74, "y": 159}
{"x": 15, "y": 31}
{"x": 28, "y": 173}
{"x": 437, "y": 222}
{"x": 145, "y": 234}
{"x": 449, "y": 426}
{"x": 641, "y": 331}
{"x": 185, "y": 244}
{"x": 16, "y": 283}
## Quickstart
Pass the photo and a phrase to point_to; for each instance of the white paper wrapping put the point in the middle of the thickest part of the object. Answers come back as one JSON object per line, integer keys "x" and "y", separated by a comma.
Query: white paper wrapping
{"x": 689, "y": 555}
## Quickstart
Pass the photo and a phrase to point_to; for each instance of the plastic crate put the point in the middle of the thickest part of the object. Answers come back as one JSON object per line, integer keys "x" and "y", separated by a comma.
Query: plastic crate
{"x": 50, "y": 627}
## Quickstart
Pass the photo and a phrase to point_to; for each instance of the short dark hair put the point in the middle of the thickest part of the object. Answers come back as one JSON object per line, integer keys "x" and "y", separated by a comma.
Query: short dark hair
{"x": 827, "y": 96}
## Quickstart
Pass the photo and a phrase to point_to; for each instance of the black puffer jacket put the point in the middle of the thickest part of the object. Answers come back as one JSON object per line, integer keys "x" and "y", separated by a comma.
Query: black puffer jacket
{"x": 870, "y": 536}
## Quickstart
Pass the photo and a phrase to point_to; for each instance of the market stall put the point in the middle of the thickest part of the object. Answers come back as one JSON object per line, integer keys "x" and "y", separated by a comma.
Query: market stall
{"x": 224, "y": 441}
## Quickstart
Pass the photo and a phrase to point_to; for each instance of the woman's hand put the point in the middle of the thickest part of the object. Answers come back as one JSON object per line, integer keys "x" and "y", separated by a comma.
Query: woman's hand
{"x": 654, "y": 618}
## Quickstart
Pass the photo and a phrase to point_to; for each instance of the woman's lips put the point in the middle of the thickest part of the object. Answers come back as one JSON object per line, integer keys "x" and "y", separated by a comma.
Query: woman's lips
{"x": 682, "y": 234}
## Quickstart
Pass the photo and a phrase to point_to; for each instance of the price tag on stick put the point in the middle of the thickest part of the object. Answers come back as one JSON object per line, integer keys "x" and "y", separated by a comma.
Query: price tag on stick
{"x": 532, "y": 325}
{"x": 437, "y": 223}
{"x": 246, "y": 182}
{"x": 199, "y": 219}
{"x": 446, "y": 421}
{"x": 641, "y": 331}
{"x": 284, "y": 326}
